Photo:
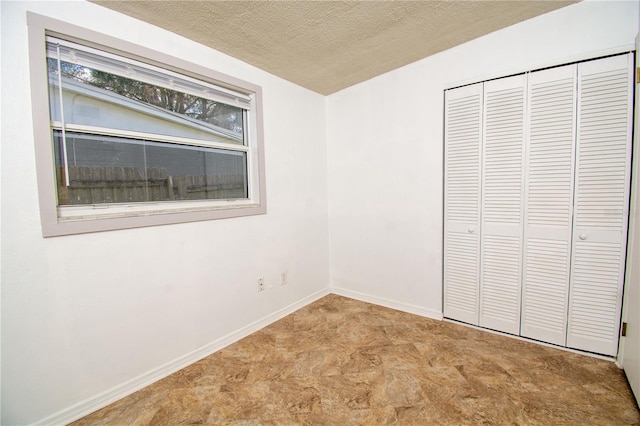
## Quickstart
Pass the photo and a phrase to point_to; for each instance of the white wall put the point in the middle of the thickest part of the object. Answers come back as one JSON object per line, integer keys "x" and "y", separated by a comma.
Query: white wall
{"x": 385, "y": 149}
{"x": 83, "y": 314}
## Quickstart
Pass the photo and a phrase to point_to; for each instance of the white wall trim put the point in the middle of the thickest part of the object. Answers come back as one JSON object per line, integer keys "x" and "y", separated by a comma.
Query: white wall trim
{"x": 388, "y": 303}
{"x": 555, "y": 62}
{"x": 88, "y": 406}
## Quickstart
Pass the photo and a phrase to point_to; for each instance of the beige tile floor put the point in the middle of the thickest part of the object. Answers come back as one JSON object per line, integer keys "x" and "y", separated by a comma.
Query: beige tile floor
{"x": 343, "y": 362}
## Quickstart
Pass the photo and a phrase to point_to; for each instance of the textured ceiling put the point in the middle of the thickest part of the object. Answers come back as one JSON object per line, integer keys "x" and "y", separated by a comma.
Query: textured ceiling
{"x": 327, "y": 46}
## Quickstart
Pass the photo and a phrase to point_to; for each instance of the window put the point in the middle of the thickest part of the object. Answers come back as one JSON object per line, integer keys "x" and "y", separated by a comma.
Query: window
{"x": 138, "y": 138}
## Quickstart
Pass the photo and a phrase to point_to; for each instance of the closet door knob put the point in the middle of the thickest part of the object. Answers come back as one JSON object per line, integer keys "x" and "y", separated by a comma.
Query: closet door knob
{"x": 471, "y": 230}
{"x": 583, "y": 236}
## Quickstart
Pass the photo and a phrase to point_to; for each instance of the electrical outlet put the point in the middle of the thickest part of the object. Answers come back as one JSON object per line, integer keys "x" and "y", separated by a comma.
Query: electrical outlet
{"x": 260, "y": 284}
{"x": 283, "y": 278}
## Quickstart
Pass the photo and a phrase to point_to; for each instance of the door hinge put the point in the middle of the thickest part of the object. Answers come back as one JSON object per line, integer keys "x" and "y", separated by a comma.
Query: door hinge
{"x": 623, "y": 331}
{"x": 638, "y": 75}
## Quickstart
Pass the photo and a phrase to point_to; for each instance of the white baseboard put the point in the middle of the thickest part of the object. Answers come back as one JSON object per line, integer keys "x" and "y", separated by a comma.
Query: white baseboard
{"x": 81, "y": 409}
{"x": 388, "y": 303}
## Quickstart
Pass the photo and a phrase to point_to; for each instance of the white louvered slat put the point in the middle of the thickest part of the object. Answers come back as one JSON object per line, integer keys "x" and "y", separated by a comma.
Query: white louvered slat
{"x": 600, "y": 203}
{"x": 461, "y": 276}
{"x": 463, "y": 121}
{"x": 594, "y": 298}
{"x": 502, "y": 208}
{"x": 548, "y": 204}
{"x": 500, "y": 270}
{"x": 545, "y": 287}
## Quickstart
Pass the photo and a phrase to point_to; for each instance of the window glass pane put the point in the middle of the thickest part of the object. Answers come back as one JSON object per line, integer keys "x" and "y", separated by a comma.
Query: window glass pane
{"x": 200, "y": 173}
{"x": 97, "y": 98}
{"x": 106, "y": 169}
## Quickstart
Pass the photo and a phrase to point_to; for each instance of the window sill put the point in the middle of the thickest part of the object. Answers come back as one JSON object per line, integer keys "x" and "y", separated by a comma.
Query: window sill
{"x": 88, "y": 223}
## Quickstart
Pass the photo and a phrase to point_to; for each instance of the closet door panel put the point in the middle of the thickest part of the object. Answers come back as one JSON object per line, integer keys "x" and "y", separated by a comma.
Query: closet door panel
{"x": 463, "y": 138}
{"x": 601, "y": 203}
{"x": 548, "y": 203}
{"x": 502, "y": 209}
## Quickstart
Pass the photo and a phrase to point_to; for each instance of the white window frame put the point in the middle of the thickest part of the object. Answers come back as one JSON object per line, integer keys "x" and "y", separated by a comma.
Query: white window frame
{"x": 67, "y": 220}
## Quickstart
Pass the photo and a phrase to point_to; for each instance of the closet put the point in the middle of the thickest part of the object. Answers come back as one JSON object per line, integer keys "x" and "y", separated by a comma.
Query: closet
{"x": 536, "y": 194}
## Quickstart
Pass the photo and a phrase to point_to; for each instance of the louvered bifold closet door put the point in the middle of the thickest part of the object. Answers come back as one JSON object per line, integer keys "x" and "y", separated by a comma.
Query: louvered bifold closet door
{"x": 548, "y": 203}
{"x": 463, "y": 137}
{"x": 502, "y": 203}
{"x": 601, "y": 203}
